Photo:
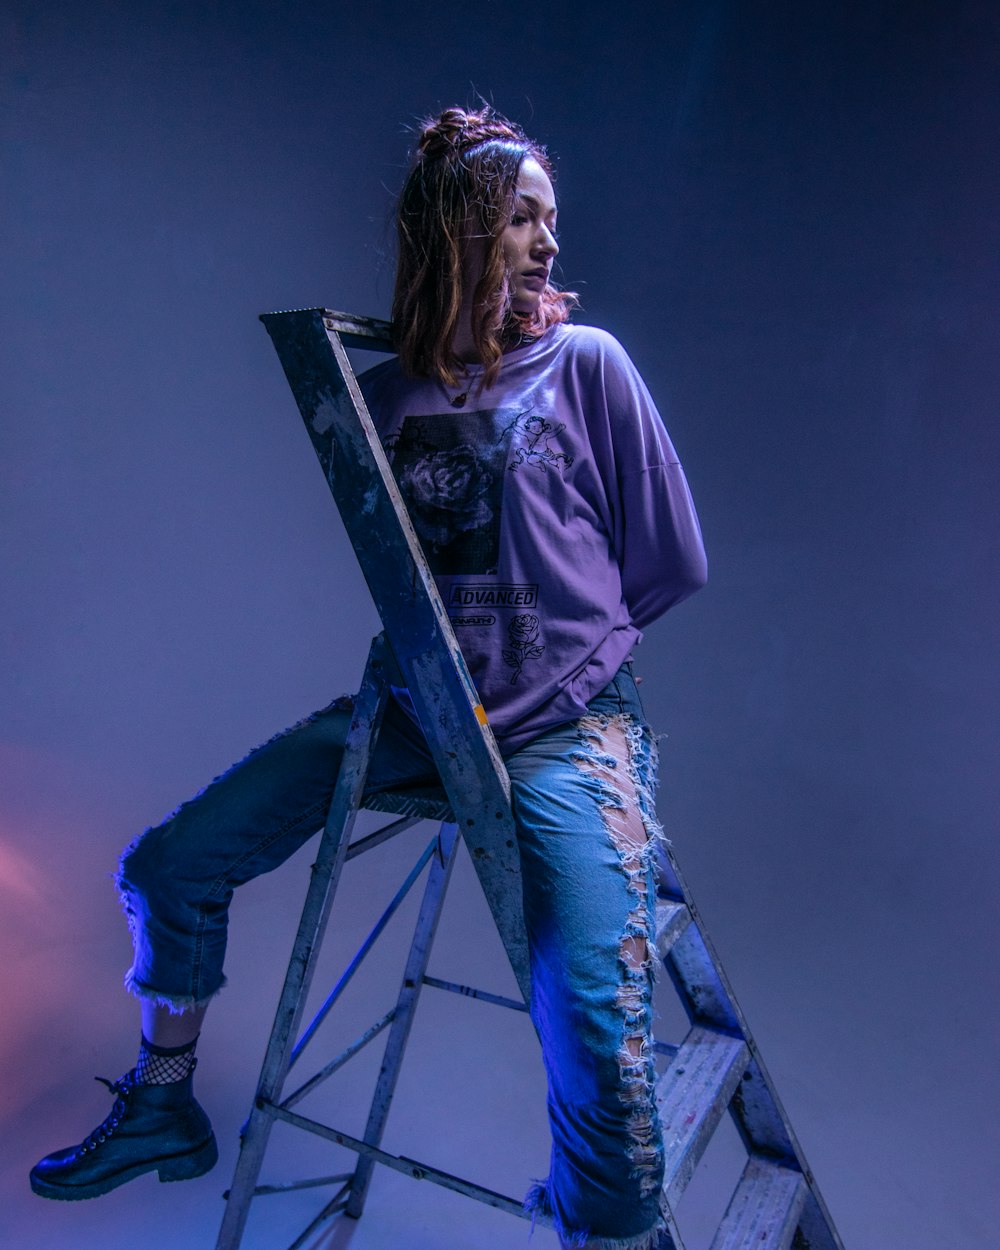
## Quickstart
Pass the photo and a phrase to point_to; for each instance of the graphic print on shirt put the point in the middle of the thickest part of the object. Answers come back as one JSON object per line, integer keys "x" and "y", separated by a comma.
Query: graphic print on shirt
{"x": 522, "y": 634}
{"x": 450, "y": 472}
{"x": 530, "y": 436}
{"x": 451, "y": 469}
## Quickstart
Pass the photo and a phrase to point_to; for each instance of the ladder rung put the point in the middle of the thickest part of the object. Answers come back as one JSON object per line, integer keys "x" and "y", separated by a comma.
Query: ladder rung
{"x": 468, "y": 991}
{"x": 428, "y": 802}
{"x": 365, "y": 332}
{"x": 693, "y": 1095}
{"x": 764, "y": 1210}
{"x": 289, "y": 1187}
{"x": 761, "y": 1120}
{"x": 694, "y": 965}
{"x": 410, "y": 1167}
{"x": 672, "y": 918}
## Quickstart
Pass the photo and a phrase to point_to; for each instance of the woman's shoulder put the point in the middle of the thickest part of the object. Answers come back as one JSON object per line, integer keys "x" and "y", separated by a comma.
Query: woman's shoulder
{"x": 593, "y": 347}
{"x": 385, "y": 382}
{"x": 584, "y": 347}
{"x": 382, "y": 374}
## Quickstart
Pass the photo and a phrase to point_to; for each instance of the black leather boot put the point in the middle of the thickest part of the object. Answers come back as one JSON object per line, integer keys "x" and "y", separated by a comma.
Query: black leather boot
{"x": 151, "y": 1127}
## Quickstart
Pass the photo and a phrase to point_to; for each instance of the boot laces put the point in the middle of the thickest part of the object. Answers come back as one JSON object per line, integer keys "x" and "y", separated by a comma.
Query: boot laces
{"x": 121, "y": 1088}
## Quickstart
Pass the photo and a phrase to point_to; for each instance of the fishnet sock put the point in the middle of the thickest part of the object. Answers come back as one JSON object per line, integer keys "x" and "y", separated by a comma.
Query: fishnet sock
{"x": 163, "y": 1065}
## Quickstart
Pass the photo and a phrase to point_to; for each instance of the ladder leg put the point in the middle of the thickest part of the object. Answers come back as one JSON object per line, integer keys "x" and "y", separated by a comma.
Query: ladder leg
{"x": 368, "y": 709}
{"x": 413, "y": 980}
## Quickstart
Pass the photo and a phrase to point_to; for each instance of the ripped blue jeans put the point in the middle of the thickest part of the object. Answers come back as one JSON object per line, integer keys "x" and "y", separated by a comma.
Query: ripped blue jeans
{"x": 582, "y": 801}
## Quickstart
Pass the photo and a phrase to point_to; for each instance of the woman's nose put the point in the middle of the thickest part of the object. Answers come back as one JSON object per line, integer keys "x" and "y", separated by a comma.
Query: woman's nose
{"x": 546, "y": 241}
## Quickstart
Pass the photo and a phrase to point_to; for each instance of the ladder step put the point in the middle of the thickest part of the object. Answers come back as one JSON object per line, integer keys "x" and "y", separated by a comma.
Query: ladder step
{"x": 672, "y": 918}
{"x": 692, "y": 1096}
{"x": 429, "y": 802}
{"x": 764, "y": 1210}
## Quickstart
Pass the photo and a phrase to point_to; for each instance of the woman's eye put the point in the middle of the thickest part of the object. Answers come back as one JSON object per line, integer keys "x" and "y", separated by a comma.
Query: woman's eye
{"x": 518, "y": 219}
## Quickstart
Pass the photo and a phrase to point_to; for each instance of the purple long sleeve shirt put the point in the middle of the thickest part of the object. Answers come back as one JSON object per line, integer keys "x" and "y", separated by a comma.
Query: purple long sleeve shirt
{"x": 554, "y": 514}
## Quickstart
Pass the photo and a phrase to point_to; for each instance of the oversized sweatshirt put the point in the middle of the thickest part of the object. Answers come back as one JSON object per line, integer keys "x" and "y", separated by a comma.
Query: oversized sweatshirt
{"x": 553, "y": 512}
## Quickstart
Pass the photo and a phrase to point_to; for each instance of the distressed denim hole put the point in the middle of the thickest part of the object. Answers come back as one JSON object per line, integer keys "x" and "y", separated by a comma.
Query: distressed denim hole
{"x": 612, "y": 752}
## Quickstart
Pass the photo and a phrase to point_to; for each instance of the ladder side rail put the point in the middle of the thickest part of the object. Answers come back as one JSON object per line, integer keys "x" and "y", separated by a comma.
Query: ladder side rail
{"x": 406, "y": 597}
{"x": 406, "y": 1005}
{"x": 816, "y": 1225}
{"x": 707, "y": 994}
{"x": 369, "y": 707}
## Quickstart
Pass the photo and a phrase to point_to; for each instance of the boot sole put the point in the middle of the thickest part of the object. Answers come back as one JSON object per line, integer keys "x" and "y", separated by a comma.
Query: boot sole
{"x": 184, "y": 1167}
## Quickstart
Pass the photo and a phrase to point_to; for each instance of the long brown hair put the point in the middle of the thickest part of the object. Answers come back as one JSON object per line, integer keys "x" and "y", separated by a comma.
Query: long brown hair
{"x": 462, "y": 184}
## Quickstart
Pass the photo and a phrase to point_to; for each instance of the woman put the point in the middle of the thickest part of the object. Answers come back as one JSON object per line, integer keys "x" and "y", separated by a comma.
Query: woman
{"x": 558, "y": 525}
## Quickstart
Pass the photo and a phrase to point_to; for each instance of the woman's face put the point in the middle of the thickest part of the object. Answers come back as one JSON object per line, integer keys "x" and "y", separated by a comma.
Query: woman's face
{"x": 529, "y": 243}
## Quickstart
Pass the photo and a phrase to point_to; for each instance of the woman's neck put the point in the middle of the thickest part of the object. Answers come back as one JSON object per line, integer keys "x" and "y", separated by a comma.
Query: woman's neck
{"x": 463, "y": 345}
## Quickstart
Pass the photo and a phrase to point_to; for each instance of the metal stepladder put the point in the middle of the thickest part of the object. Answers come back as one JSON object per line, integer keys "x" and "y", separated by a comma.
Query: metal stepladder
{"x": 715, "y": 1068}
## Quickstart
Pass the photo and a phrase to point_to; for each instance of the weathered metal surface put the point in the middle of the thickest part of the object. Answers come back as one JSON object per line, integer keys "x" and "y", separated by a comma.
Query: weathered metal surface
{"x": 672, "y": 919}
{"x": 699, "y": 980}
{"x": 763, "y": 1213}
{"x": 423, "y": 642}
{"x": 759, "y": 1117}
{"x": 693, "y": 1095}
{"x": 364, "y": 332}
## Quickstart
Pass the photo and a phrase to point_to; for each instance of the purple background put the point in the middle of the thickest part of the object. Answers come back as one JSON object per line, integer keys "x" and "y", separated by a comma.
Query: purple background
{"x": 788, "y": 213}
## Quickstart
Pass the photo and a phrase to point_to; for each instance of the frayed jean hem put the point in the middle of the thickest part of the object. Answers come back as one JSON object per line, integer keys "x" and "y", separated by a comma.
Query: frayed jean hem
{"x": 176, "y": 1004}
{"x": 537, "y": 1203}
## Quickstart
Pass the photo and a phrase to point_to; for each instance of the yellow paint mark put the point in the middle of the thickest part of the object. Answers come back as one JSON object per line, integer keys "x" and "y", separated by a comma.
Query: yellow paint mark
{"x": 480, "y": 712}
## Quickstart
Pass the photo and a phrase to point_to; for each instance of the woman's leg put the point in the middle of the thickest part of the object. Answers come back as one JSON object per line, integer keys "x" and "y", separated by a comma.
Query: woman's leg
{"x": 582, "y": 799}
{"x": 176, "y": 882}
{"x": 164, "y": 1027}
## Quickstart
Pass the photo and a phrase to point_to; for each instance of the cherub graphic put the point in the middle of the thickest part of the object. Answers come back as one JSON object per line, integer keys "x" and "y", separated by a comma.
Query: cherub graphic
{"x": 535, "y": 433}
{"x": 523, "y": 635}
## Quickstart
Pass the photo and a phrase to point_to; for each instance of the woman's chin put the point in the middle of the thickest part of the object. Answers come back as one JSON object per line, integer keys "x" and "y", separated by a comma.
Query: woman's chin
{"x": 526, "y": 306}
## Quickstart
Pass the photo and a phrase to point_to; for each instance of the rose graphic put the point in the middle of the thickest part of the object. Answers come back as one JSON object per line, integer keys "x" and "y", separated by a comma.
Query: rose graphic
{"x": 522, "y": 632}
{"x": 444, "y": 494}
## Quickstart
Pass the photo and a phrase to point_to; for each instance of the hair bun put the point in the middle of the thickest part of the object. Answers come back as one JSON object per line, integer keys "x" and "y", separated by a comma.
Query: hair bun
{"x": 457, "y": 129}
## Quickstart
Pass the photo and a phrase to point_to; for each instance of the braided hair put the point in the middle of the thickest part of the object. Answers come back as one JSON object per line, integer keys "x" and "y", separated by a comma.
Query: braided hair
{"x": 460, "y": 190}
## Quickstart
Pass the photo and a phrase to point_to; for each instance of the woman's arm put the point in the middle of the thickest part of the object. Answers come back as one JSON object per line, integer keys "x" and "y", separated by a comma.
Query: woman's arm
{"x": 656, "y": 533}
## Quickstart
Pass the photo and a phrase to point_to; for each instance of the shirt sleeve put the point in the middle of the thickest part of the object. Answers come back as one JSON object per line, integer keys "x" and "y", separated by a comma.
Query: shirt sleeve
{"x": 656, "y": 534}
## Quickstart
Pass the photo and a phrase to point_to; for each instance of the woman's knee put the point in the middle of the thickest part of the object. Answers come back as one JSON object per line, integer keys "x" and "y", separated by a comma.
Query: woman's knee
{"x": 141, "y": 870}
